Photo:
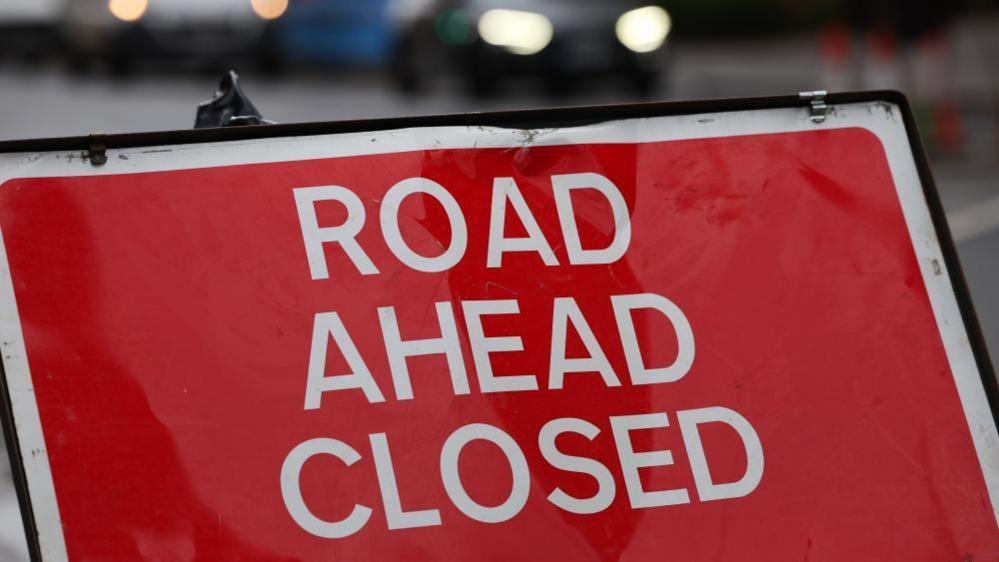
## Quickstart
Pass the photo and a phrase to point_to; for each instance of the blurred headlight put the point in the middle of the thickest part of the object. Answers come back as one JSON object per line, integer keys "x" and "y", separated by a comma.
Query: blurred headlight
{"x": 644, "y": 30}
{"x": 128, "y": 10}
{"x": 521, "y": 33}
{"x": 269, "y": 9}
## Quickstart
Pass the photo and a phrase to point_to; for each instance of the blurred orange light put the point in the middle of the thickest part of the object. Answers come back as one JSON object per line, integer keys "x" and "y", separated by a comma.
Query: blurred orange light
{"x": 269, "y": 9}
{"x": 128, "y": 10}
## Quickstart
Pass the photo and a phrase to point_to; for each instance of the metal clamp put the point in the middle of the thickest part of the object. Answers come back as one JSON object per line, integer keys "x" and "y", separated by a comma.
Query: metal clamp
{"x": 818, "y": 108}
{"x": 97, "y": 149}
{"x": 230, "y": 107}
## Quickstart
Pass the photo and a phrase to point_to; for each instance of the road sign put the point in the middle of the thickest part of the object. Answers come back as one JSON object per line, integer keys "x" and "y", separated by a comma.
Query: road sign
{"x": 717, "y": 331}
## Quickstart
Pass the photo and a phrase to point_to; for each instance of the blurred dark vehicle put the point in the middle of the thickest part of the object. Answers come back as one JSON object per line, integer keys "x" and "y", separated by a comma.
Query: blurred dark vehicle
{"x": 341, "y": 32}
{"x": 559, "y": 41}
{"x": 122, "y": 33}
{"x": 28, "y": 27}
{"x": 727, "y": 19}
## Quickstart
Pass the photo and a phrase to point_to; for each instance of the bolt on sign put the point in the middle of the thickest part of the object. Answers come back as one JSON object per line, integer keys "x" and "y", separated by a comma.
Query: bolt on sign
{"x": 708, "y": 331}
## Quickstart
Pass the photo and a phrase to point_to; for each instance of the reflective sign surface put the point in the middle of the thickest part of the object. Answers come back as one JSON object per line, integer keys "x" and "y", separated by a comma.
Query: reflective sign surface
{"x": 726, "y": 337}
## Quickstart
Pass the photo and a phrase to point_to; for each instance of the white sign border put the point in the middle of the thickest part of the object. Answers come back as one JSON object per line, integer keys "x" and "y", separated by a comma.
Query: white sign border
{"x": 882, "y": 119}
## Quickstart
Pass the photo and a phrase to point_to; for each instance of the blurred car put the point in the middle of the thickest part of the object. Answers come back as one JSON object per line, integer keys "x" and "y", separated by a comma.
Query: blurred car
{"x": 28, "y": 27}
{"x": 344, "y": 32}
{"x": 486, "y": 41}
{"x": 122, "y": 32}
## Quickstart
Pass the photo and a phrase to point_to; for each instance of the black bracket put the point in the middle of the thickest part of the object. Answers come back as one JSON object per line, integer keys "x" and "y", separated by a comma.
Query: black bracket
{"x": 229, "y": 108}
{"x": 97, "y": 149}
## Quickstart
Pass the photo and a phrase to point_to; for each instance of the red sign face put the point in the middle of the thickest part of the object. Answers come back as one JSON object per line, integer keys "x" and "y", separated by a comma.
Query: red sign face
{"x": 707, "y": 349}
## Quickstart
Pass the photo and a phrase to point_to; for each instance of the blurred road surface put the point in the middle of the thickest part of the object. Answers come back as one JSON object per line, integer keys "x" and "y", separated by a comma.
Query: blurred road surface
{"x": 42, "y": 100}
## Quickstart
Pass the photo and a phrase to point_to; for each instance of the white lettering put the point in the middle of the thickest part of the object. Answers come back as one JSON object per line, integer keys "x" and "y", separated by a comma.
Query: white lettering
{"x": 505, "y": 189}
{"x": 563, "y": 186}
{"x": 622, "y": 426}
{"x": 570, "y": 463}
{"x": 483, "y": 345}
{"x": 640, "y": 374}
{"x": 452, "y": 479}
{"x": 393, "y": 235}
{"x": 329, "y": 324}
{"x": 397, "y": 518}
{"x": 707, "y": 489}
{"x": 345, "y": 234}
{"x": 398, "y": 350}
{"x": 291, "y": 490}
{"x": 566, "y": 311}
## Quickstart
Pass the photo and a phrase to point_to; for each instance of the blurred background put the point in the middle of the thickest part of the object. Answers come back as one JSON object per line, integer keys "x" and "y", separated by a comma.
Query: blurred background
{"x": 71, "y": 67}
